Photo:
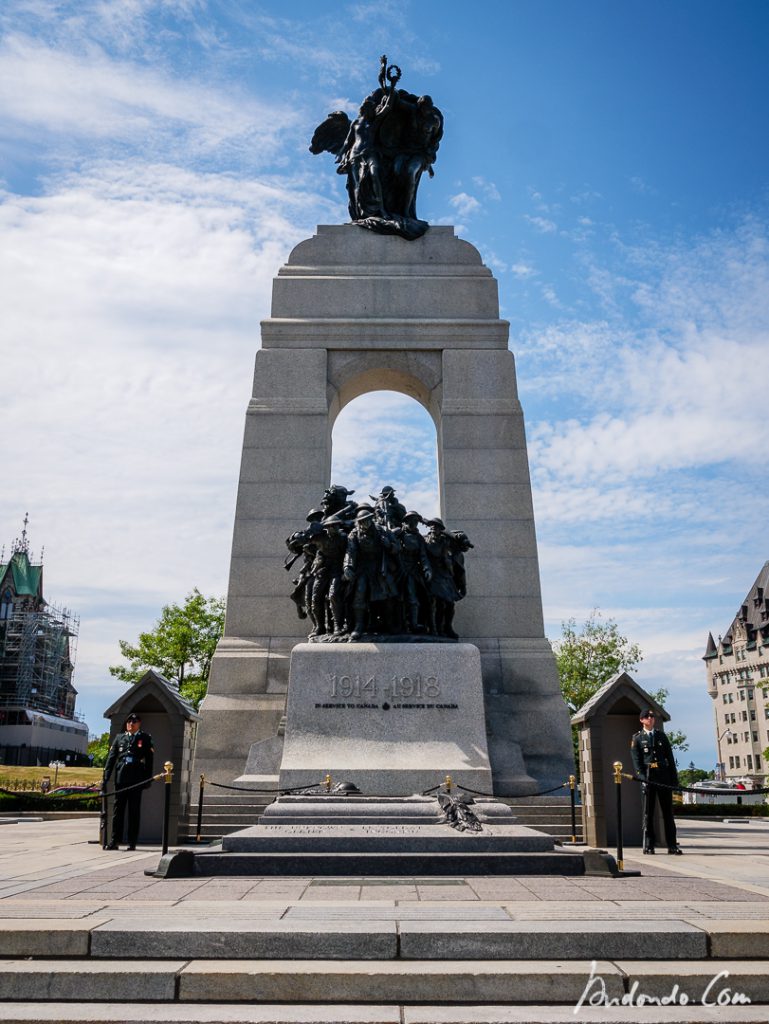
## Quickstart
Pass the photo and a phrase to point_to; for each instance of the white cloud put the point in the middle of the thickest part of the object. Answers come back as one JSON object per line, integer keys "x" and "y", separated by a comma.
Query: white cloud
{"x": 488, "y": 188}
{"x": 542, "y": 224}
{"x": 465, "y": 205}
{"x": 132, "y": 300}
{"x": 73, "y": 95}
{"x": 522, "y": 270}
{"x": 387, "y": 438}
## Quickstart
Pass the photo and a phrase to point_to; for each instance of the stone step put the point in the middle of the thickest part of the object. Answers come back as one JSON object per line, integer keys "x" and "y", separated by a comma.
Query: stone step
{"x": 207, "y": 936}
{"x": 427, "y": 931}
{"x": 185, "y": 864}
{"x": 551, "y": 982}
{"x": 133, "y": 1012}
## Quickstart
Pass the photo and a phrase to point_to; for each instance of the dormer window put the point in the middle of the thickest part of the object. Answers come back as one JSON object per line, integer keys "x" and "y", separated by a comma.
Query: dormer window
{"x": 6, "y": 605}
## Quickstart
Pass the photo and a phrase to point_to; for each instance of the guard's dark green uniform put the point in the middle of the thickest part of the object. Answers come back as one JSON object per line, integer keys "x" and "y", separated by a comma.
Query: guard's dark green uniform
{"x": 653, "y": 761}
{"x": 130, "y": 759}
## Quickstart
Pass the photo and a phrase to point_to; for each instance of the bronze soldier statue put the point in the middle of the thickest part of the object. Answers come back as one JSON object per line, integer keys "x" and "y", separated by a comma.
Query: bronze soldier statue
{"x": 368, "y": 570}
{"x": 327, "y": 578}
{"x": 443, "y": 588}
{"x": 416, "y": 574}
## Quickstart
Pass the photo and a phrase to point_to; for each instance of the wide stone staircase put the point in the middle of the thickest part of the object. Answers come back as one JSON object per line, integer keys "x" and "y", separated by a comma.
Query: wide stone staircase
{"x": 379, "y": 963}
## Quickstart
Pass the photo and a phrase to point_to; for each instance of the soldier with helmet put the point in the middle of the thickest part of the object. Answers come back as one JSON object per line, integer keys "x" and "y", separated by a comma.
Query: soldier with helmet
{"x": 369, "y": 571}
{"x": 416, "y": 573}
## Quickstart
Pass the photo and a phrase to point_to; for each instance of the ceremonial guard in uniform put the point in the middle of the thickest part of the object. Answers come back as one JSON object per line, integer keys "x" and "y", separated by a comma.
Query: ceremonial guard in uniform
{"x": 130, "y": 761}
{"x": 653, "y": 761}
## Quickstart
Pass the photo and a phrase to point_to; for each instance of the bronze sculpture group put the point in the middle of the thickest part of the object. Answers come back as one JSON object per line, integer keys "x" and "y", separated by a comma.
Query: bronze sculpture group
{"x": 368, "y": 571}
{"x": 384, "y": 152}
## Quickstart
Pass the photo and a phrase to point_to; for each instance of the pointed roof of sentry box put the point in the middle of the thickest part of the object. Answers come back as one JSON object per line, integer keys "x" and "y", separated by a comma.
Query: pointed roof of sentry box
{"x": 152, "y": 689}
{"x": 619, "y": 695}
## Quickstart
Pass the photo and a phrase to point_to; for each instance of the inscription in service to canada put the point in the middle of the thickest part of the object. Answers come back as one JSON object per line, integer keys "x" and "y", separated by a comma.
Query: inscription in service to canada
{"x": 396, "y": 693}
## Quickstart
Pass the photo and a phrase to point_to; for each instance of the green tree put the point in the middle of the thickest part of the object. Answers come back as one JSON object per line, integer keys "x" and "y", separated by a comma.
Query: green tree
{"x": 586, "y": 658}
{"x": 180, "y": 646}
{"x": 678, "y": 740}
{"x": 589, "y": 656}
{"x": 99, "y": 748}
{"x": 688, "y": 776}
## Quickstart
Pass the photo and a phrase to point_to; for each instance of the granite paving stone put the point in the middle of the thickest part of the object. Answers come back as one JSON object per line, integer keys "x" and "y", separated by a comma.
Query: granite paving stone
{"x": 564, "y": 939}
{"x": 45, "y": 937}
{"x": 739, "y": 938}
{"x": 149, "y": 1013}
{"x": 698, "y": 979}
{"x": 597, "y": 1015}
{"x": 85, "y": 980}
{"x": 393, "y": 981}
{"x": 415, "y": 912}
{"x": 237, "y": 938}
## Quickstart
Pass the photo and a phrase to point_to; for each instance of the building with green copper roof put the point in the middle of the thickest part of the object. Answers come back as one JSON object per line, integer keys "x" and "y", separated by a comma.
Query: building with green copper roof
{"x": 37, "y": 699}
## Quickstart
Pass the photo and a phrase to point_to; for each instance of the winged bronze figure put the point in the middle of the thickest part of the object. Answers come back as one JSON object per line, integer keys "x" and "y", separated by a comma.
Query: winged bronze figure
{"x": 383, "y": 152}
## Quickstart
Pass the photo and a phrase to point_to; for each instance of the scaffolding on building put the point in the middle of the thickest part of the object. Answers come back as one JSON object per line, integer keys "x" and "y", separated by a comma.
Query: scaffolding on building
{"x": 37, "y": 656}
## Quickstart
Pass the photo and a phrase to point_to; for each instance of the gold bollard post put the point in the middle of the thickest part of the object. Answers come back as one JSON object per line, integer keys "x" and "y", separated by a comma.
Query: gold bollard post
{"x": 327, "y": 782}
{"x": 447, "y": 782}
{"x": 618, "y": 787}
{"x": 168, "y": 768}
{"x": 198, "y": 836}
{"x": 572, "y": 787}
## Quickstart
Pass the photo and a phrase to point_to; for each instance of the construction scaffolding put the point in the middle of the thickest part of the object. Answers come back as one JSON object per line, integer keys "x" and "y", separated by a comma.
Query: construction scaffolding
{"x": 37, "y": 655}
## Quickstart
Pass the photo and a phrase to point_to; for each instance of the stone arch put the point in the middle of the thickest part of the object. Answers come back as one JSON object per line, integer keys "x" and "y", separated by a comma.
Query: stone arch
{"x": 353, "y": 312}
{"x": 352, "y": 374}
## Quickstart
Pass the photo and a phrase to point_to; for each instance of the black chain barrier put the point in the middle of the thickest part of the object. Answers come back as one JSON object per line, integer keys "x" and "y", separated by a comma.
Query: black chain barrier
{"x": 279, "y": 792}
{"x": 476, "y": 792}
{"x": 80, "y": 796}
{"x": 691, "y": 789}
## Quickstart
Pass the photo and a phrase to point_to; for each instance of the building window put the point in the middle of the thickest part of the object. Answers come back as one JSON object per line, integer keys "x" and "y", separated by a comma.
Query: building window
{"x": 755, "y": 737}
{"x": 6, "y": 605}
{"x": 742, "y": 695}
{"x": 731, "y": 761}
{"x": 737, "y": 761}
{"x": 750, "y": 695}
{"x": 749, "y": 760}
{"x": 758, "y": 763}
{"x": 744, "y": 716}
{"x": 752, "y": 716}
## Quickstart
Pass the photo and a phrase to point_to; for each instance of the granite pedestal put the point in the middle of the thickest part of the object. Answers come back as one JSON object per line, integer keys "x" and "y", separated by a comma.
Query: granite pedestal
{"x": 391, "y": 719}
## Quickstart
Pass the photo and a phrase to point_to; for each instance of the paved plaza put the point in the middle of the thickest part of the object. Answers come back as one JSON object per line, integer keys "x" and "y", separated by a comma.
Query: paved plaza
{"x": 87, "y": 929}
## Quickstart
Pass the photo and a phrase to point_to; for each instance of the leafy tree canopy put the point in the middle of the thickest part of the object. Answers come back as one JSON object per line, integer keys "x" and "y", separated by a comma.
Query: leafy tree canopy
{"x": 180, "y": 646}
{"x": 688, "y": 776}
{"x": 99, "y": 748}
{"x": 588, "y": 656}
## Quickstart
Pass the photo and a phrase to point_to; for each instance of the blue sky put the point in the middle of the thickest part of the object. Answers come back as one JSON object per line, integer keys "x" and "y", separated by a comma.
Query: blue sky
{"x": 608, "y": 160}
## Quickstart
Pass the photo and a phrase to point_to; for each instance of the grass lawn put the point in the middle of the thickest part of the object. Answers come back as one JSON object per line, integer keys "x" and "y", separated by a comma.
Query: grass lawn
{"x": 10, "y": 774}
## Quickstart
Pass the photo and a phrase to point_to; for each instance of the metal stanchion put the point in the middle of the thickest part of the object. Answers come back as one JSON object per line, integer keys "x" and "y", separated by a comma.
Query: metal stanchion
{"x": 200, "y": 807}
{"x": 618, "y": 787}
{"x": 447, "y": 782}
{"x": 572, "y": 787}
{"x": 168, "y": 768}
{"x": 327, "y": 782}
{"x": 103, "y": 821}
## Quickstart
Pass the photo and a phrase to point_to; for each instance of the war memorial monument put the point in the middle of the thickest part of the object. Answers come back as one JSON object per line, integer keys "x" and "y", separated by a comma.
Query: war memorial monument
{"x": 426, "y": 654}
